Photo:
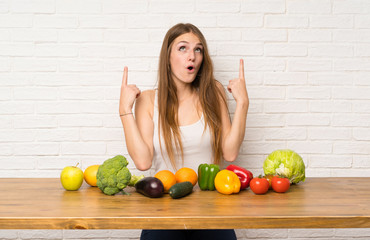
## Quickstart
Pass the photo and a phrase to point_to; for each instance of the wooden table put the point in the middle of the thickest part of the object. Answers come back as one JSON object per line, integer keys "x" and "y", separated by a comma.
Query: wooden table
{"x": 315, "y": 203}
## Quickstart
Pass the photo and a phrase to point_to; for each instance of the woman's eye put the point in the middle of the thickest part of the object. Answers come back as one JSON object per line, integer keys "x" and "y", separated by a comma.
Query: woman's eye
{"x": 182, "y": 48}
{"x": 198, "y": 50}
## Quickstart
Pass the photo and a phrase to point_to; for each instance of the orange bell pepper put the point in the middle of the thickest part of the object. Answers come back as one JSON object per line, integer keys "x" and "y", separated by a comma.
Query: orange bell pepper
{"x": 227, "y": 182}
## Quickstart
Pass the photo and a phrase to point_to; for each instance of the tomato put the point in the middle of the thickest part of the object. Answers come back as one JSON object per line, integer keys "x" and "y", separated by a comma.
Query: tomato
{"x": 279, "y": 184}
{"x": 269, "y": 179}
{"x": 259, "y": 185}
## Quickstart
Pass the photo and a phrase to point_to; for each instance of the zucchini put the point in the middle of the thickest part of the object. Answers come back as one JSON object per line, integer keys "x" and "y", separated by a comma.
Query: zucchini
{"x": 181, "y": 189}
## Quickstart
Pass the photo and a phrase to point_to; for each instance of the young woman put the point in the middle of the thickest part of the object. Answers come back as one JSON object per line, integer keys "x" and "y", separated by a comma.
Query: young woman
{"x": 185, "y": 122}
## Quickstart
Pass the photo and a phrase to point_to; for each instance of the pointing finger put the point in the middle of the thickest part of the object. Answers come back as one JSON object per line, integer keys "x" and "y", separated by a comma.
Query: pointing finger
{"x": 241, "y": 69}
{"x": 124, "y": 78}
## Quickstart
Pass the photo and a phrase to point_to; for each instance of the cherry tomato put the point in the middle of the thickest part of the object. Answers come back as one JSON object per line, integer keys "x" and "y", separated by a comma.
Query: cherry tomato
{"x": 280, "y": 185}
{"x": 259, "y": 185}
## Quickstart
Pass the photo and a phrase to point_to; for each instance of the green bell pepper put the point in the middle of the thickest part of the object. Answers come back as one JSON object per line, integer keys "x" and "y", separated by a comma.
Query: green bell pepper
{"x": 206, "y": 176}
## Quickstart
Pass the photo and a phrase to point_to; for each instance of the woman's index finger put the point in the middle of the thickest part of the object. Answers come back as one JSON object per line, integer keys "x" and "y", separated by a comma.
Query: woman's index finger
{"x": 124, "y": 78}
{"x": 241, "y": 69}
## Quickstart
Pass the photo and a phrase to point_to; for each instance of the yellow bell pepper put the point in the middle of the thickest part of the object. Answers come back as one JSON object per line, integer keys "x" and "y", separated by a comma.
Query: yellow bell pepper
{"x": 227, "y": 182}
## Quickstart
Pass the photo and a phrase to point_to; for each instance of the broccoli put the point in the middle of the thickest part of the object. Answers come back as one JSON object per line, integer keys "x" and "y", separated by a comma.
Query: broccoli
{"x": 113, "y": 175}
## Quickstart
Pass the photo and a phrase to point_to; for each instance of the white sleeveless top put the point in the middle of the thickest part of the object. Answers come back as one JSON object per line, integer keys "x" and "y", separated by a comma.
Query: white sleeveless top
{"x": 196, "y": 142}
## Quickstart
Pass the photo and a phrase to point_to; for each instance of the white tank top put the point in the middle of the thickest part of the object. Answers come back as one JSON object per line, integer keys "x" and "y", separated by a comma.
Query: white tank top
{"x": 196, "y": 142}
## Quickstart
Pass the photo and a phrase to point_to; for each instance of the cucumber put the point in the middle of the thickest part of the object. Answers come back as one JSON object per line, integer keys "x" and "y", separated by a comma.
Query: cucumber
{"x": 180, "y": 190}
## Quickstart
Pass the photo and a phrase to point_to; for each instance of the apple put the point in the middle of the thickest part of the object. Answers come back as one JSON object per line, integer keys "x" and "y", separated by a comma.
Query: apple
{"x": 71, "y": 178}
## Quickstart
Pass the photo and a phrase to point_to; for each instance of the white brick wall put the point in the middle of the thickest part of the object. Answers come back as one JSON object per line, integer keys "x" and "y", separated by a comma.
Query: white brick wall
{"x": 307, "y": 65}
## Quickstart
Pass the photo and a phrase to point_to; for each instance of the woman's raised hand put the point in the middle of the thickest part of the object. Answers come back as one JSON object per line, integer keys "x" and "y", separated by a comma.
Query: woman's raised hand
{"x": 129, "y": 93}
{"x": 237, "y": 86}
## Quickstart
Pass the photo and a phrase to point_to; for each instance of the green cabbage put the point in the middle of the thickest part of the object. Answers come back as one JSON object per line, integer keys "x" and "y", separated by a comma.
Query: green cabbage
{"x": 285, "y": 163}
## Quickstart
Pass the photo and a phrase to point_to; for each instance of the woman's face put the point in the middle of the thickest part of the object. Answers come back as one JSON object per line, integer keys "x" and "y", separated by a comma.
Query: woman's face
{"x": 186, "y": 58}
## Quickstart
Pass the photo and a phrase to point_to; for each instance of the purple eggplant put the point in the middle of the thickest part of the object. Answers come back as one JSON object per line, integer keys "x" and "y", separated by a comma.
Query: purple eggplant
{"x": 150, "y": 186}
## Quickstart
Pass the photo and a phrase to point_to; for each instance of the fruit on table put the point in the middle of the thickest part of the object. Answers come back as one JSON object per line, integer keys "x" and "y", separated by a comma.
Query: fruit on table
{"x": 227, "y": 182}
{"x": 90, "y": 175}
{"x": 167, "y": 178}
{"x": 186, "y": 174}
{"x": 71, "y": 178}
{"x": 280, "y": 184}
{"x": 206, "y": 176}
{"x": 180, "y": 190}
{"x": 113, "y": 175}
{"x": 244, "y": 175}
{"x": 259, "y": 185}
{"x": 150, "y": 186}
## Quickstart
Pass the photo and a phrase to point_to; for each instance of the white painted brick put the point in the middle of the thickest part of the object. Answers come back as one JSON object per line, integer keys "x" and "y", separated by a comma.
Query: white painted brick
{"x": 56, "y": 162}
{"x": 292, "y": 106}
{"x": 351, "y": 93}
{"x": 5, "y": 94}
{"x": 143, "y": 49}
{"x": 102, "y": 51}
{"x": 32, "y": 122}
{"x": 308, "y": 119}
{"x": 81, "y": 65}
{"x": 83, "y": 234}
{"x": 312, "y": 7}
{"x": 317, "y": 172}
{"x": 83, "y": 148}
{"x": 35, "y": 93}
{"x": 310, "y": 65}
{"x": 104, "y": 21}
{"x": 212, "y": 6}
{"x": 87, "y": 93}
{"x": 78, "y": 7}
{"x": 330, "y": 78}
{"x": 243, "y": 21}
{"x": 131, "y": 233}
{"x": 57, "y": 108}
{"x": 34, "y": 35}
{"x": 331, "y": 21}
{"x": 265, "y": 120}
{"x": 347, "y": 172}
{"x": 315, "y": 147}
{"x": 16, "y": 20}
{"x": 4, "y": 6}
{"x": 40, "y": 234}
{"x": 56, "y": 50}
{"x": 240, "y": 50}
{"x": 125, "y": 6}
{"x": 361, "y": 79}
{"x": 309, "y": 92}
{"x": 99, "y": 107}
{"x": 17, "y": 107}
{"x": 159, "y": 21}
{"x": 361, "y": 161}
{"x": 6, "y": 122}
{"x": 262, "y": 233}
{"x": 347, "y": 147}
{"x": 285, "y": 50}
{"x": 6, "y": 149}
{"x": 8, "y": 234}
{"x": 168, "y": 6}
{"x": 5, "y": 65}
{"x": 36, "y": 149}
{"x": 352, "y": 35}
{"x": 322, "y": 106}
{"x": 350, "y": 120}
{"x": 79, "y": 36}
{"x": 353, "y": 232}
{"x": 264, "y": 6}
{"x": 124, "y": 36}
{"x": 310, "y": 233}
{"x": 33, "y": 6}
{"x": 55, "y": 21}
{"x": 362, "y": 21}
{"x": 57, "y": 135}
{"x": 11, "y": 135}
{"x": 119, "y": 147}
{"x": 285, "y": 134}
{"x": 361, "y": 134}
{"x": 266, "y": 93}
{"x": 326, "y": 50}
{"x": 4, "y": 35}
{"x": 286, "y": 21}
{"x": 17, "y": 50}
{"x": 309, "y": 35}
{"x": 329, "y": 133}
{"x": 89, "y": 134}
{"x": 227, "y": 34}
{"x": 18, "y": 163}
{"x": 285, "y": 78}
{"x": 258, "y": 34}
{"x": 199, "y": 20}
{"x": 361, "y": 106}
{"x": 30, "y": 174}
{"x": 351, "y": 6}
{"x": 34, "y": 65}
{"x": 261, "y": 147}
{"x": 362, "y": 50}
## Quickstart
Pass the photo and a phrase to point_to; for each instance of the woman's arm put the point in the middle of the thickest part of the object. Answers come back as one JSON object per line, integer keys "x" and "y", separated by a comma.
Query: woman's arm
{"x": 233, "y": 133}
{"x": 139, "y": 131}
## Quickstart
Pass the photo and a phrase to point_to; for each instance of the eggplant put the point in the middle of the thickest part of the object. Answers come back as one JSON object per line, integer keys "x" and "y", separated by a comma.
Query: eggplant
{"x": 150, "y": 186}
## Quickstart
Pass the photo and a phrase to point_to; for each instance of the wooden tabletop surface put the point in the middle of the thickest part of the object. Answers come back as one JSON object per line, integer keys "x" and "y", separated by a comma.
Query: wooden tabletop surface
{"x": 315, "y": 203}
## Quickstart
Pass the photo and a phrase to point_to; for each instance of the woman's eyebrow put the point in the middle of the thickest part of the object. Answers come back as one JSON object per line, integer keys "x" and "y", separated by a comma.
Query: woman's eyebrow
{"x": 200, "y": 44}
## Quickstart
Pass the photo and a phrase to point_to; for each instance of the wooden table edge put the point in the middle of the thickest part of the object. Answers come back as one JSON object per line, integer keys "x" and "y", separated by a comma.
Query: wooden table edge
{"x": 186, "y": 222}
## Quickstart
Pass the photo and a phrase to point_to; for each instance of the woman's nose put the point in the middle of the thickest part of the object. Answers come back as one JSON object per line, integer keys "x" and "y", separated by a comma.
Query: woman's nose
{"x": 191, "y": 56}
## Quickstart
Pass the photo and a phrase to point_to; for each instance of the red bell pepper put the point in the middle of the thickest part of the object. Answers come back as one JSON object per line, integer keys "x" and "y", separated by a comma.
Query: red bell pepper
{"x": 244, "y": 175}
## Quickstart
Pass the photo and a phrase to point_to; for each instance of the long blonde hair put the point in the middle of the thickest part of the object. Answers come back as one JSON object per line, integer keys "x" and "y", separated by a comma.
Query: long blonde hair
{"x": 210, "y": 96}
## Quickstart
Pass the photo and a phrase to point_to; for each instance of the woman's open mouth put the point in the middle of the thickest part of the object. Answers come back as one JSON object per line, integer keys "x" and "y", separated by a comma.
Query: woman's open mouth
{"x": 191, "y": 69}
